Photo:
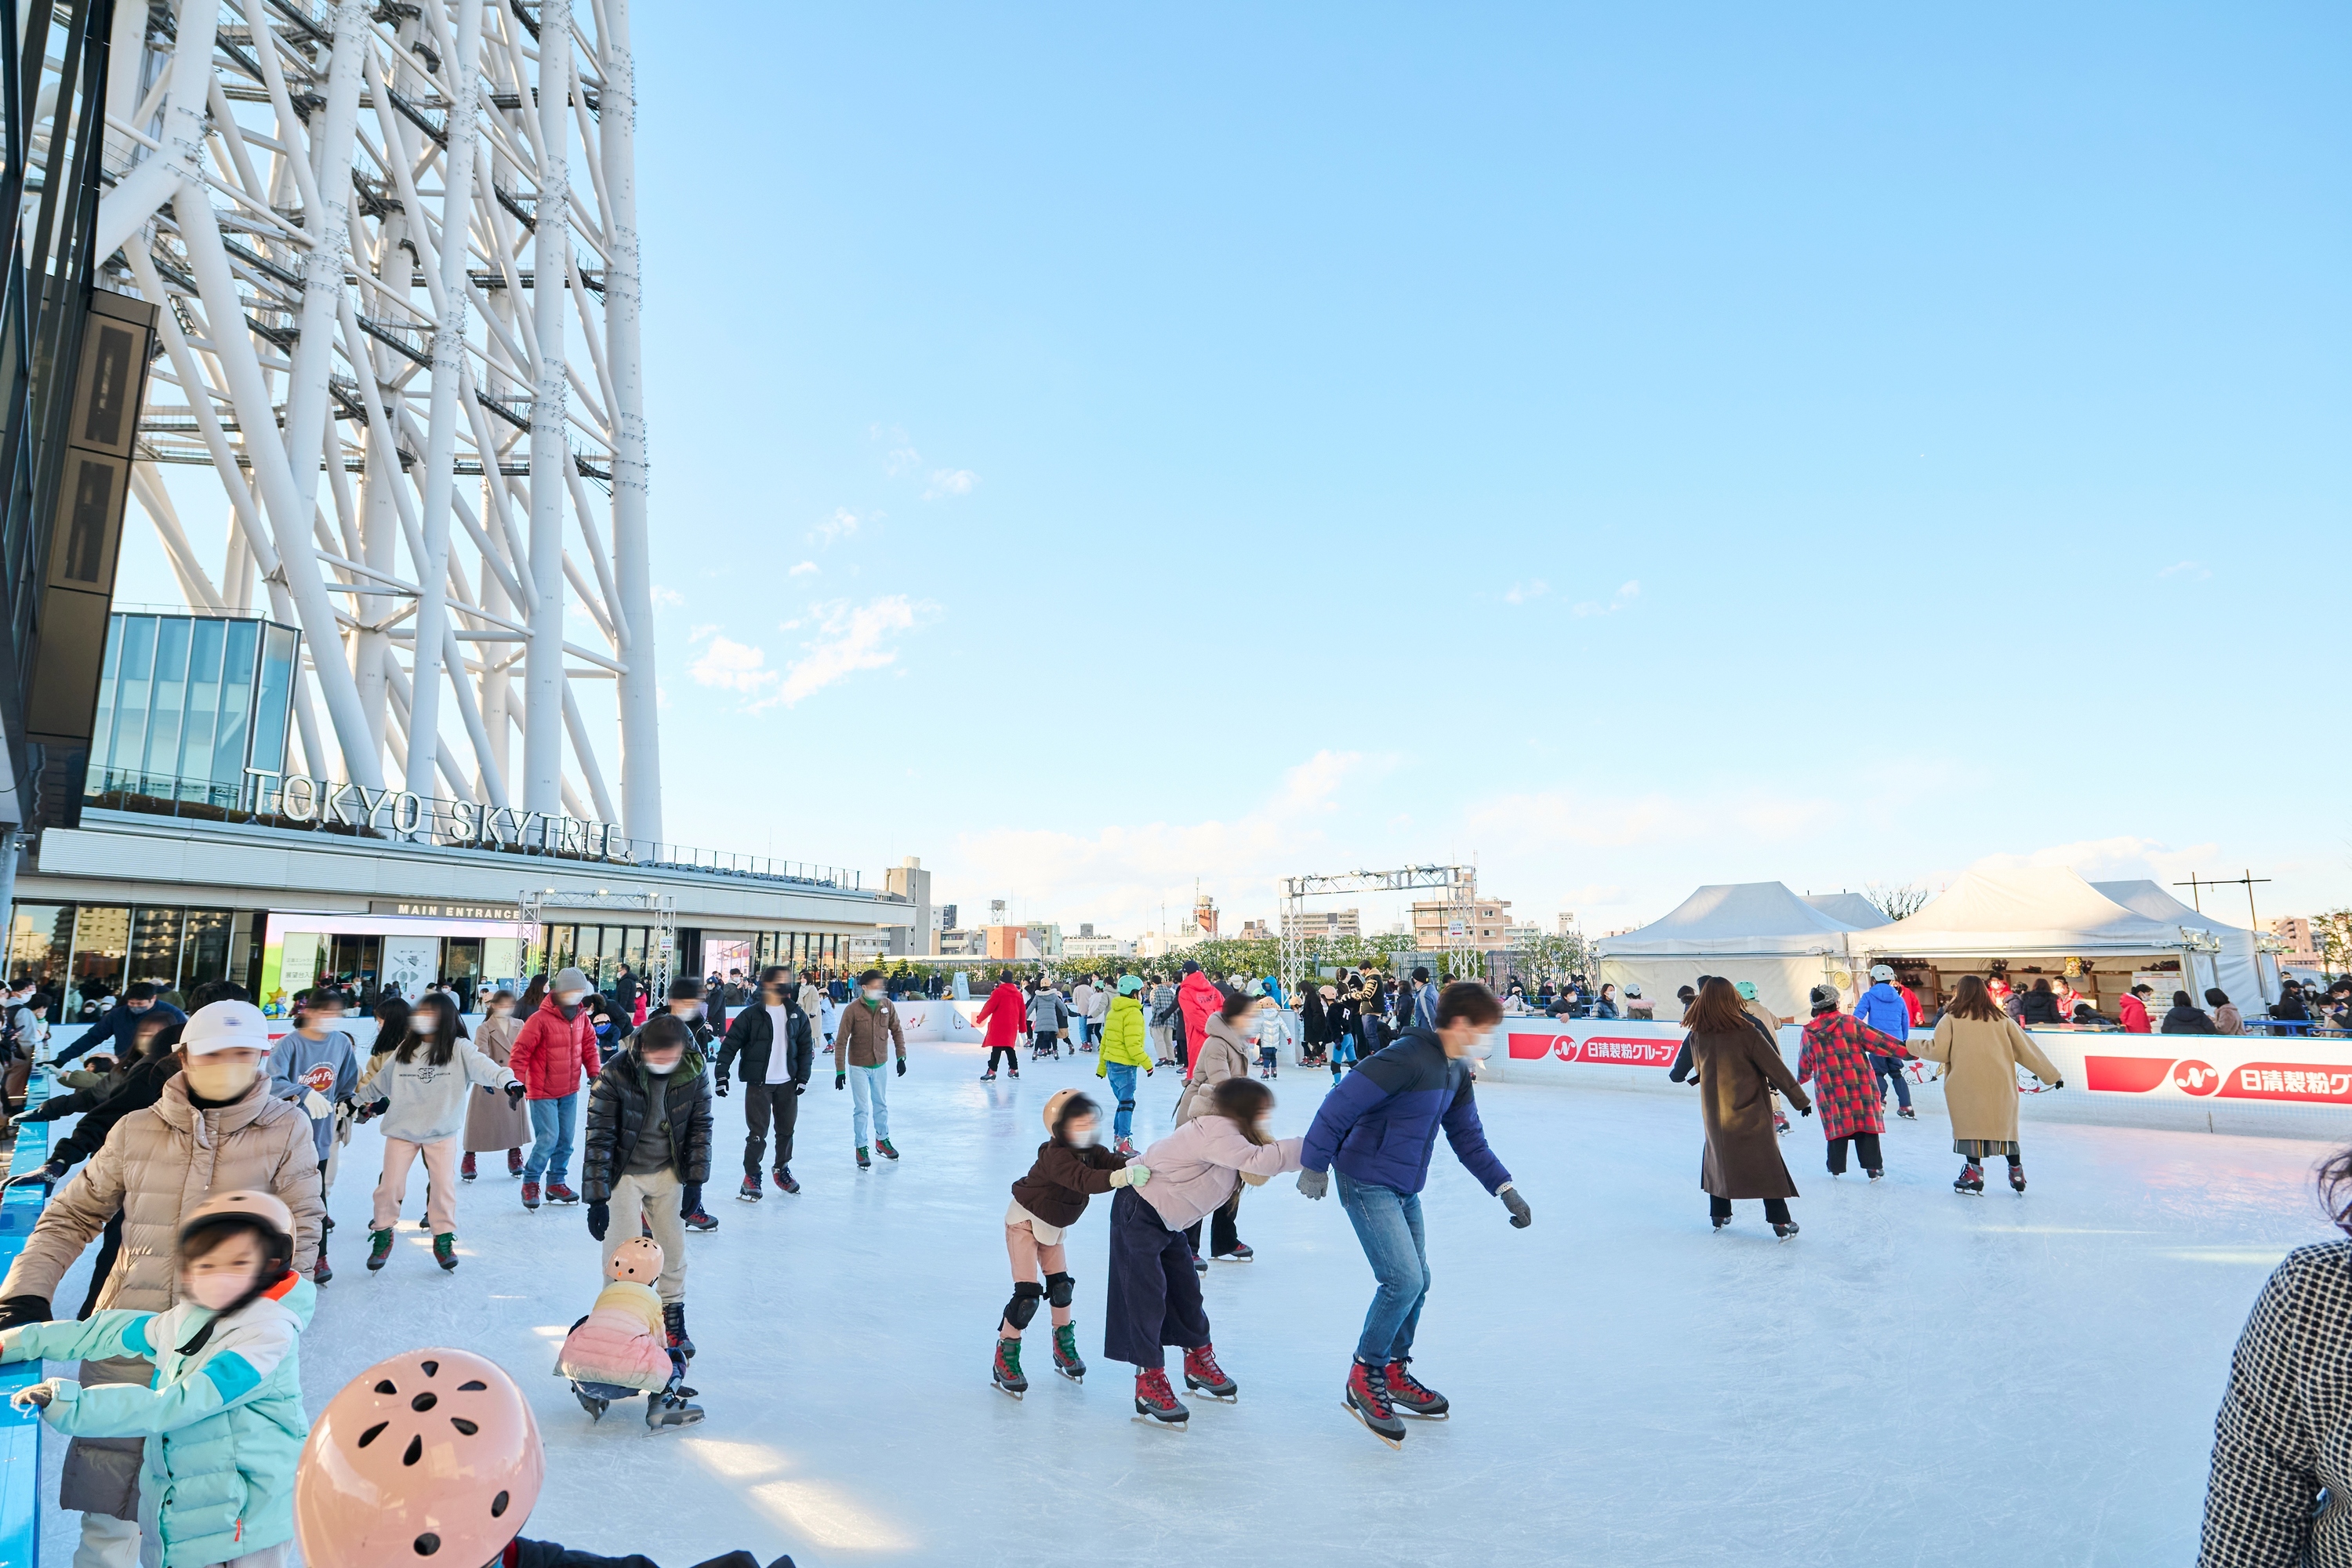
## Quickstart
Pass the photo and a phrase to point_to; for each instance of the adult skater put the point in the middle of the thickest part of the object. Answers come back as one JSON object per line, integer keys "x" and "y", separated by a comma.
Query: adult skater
{"x": 1884, "y": 1009}
{"x": 1736, "y": 1065}
{"x": 1049, "y": 1021}
{"x": 1071, "y": 1167}
{"x": 1228, "y": 1041}
{"x": 648, "y": 1153}
{"x": 1379, "y": 1126}
{"x": 1154, "y": 1296}
{"x": 493, "y": 1122}
{"x": 1000, "y": 1019}
{"x": 1982, "y": 1049}
{"x": 1197, "y": 1001}
{"x": 862, "y": 1043}
{"x": 553, "y": 1056}
{"x": 1124, "y": 1050}
{"x": 776, "y": 1040}
{"x": 1836, "y": 1059}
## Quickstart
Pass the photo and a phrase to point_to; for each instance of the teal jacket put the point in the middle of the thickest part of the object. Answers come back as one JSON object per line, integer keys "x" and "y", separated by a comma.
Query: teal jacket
{"x": 224, "y": 1422}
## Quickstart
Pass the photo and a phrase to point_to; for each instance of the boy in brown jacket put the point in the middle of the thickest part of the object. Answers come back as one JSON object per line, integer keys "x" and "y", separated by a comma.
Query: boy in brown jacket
{"x": 862, "y": 1042}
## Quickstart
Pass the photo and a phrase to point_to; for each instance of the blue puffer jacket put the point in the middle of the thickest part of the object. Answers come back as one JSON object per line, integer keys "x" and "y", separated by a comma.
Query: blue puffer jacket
{"x": 1882, "y": 1007}
{"x": 1380, "y": 1123}
{"x": 224, "y": 1422}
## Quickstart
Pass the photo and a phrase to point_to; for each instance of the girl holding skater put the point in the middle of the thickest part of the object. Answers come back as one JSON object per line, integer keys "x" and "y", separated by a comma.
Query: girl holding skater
{"x": 1982, "y": 1049}
{"x": 1071, "y": 1167}
{"x": 423, "y": 1086}
{"x": 1739, "y": 1067}
{"x": 1154, "y": 1298}
{"x": 1229, "y": 1038}
{"x": 492, "y": 1120}
{"x": 1836, "y": 1061}
{"x": 1125, "y": 1048}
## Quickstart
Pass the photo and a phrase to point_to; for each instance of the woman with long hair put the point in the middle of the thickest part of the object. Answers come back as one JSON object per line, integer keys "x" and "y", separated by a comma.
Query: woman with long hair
{"x": 424, "y": 1111}
{"x": 492, "y": 1124}
{"x": 1738, "y": 1066}
{"x": 1982, "y": 1048}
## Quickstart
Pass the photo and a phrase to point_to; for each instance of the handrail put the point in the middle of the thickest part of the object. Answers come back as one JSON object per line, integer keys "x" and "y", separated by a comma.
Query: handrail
{"x": 20, "y": 1432}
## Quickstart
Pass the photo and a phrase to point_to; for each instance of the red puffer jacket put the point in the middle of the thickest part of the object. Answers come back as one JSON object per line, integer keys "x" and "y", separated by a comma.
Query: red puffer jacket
{"x": 554, "y": 1055}
{"x": 1198, "y": 999}
{"x": 1002, "y": 1015}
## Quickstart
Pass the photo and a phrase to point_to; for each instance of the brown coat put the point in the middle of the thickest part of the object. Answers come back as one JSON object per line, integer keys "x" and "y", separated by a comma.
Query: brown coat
{"x": 862, "y": 1035}
{"x": 1980, "y": 1061}
{"x": 1224, "y": 1055}
{"x": 1743, "y": 1152}
{"x": 491, "y": 1123}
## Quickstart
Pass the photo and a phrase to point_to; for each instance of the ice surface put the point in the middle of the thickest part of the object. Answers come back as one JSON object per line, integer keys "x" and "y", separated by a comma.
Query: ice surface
{"x": 1918, "y": 1378}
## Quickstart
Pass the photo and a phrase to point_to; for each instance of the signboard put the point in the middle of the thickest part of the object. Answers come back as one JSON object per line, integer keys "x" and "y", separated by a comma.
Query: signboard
{"x": 2281, "y": 1082}
{"x": 408, "y": 963}
{"x": 442, "y": 908}
{"x": 1603, "y": 1050}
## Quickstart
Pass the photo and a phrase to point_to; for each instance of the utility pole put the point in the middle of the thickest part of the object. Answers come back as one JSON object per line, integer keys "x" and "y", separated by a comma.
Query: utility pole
{"x": 2247, "y": 881}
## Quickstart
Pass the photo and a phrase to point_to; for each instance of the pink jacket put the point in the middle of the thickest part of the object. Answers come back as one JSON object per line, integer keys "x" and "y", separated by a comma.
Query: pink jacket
{"x": 620, "y": 1341}
{"x": 1198, "y": 999}
{"x": 1196, "y": 1168}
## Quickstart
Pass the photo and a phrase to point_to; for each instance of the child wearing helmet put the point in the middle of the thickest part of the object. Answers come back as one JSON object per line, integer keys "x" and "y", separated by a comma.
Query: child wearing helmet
{"x": 1071, "y": 1165}
{"x": 622, "y": 1347}
{"x": 227, "y": 1389}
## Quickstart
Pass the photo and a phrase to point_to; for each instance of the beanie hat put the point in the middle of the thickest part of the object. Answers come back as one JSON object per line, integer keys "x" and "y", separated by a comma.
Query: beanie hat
{"x": 1824, "y": 998}
{"x": 570, "y": 980}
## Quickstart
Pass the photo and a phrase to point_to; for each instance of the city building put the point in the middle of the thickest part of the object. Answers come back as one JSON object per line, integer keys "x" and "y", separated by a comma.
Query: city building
{"x": 1084, "y": 946}
{"x": 1205, "y": 917}
{"x": 2303, "y": 948}
{"x": 1315, "y": 923}
{"x": 1487, "y": 929}
{"x": 1566, "y": 922}
{"x": 910, "y": 881}
{"x": 1256, "y": 931}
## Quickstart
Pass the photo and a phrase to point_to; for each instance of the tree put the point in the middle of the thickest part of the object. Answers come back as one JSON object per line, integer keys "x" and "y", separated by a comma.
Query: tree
{"x": 1896, "y": 902}
{"x": 2331, "y": 933}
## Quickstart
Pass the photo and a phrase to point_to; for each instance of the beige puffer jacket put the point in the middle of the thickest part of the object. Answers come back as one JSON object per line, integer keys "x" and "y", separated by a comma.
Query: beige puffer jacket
{"x": 156, "y": 1165}
{"x": 1224, "y": 1055}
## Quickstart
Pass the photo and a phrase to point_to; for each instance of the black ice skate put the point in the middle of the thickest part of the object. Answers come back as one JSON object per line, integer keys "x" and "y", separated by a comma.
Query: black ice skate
{"x": 1240, "y": 1252}
{"x": 1721, "y": 1220}
{"x": 1970, "y": 1179}
{"x": 1156, "y": 1402}
{"x": 674, "y": 1320}
{"x": 1784, "y": 1230}
{"x": 672, "y": 1406}
{"x": 1368, "y": 1401}
{"x": 1204, "y": 1375}
{"x": 2017, "y": 1177}
{"x": 1065, "y": 1353}
{"x": 445, "y": 1251}
{"x": 1409, "y": 1396}
{"x": 1006, "y": 1371}
{"x": 749, "y": 1193}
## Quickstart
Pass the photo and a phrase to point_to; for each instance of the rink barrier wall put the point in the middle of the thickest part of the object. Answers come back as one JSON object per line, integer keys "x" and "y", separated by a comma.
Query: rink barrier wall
{"x": 20, "y": 1432}
{"x": 2272, "y": 1086}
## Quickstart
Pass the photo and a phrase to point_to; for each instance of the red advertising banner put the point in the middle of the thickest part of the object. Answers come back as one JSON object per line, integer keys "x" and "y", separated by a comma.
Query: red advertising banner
{"x": 1599, "y": 1050}
{"x": 2298, "y": 1082}
{"x": 2277, "y": 1080}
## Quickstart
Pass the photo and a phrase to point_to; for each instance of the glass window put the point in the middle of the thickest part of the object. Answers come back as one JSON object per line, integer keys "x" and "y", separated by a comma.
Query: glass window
{"x": 235, "y": 705}
{"x": 165, "y": 705}
{"x": 155, "y": 947}
{"x": 40, "y": 940}
{"x": 101, "y": 936}
{"x": 102, "y": 722}
{"x": 129, "y": 734}
{"x": 204, "y": 957}
{"x": 195, "y": 760}
{"x": 276, "y": 690}
{"x": 634, "y": 946}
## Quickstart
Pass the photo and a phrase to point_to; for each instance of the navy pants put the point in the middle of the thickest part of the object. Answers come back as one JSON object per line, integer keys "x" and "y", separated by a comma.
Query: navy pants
{"x": 1154, "y": 1296}
{"x": 1889, "y": 1067}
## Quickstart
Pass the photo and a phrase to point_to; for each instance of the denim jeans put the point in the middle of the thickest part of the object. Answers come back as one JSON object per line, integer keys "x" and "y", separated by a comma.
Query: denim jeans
{"x": 1387, "y": 1224}
{"x": 1887, "y": 1066}
{"x": 551, "y": 1138}
{"x": 869, "y": 1084}
{"x": 1122, "y": 1085}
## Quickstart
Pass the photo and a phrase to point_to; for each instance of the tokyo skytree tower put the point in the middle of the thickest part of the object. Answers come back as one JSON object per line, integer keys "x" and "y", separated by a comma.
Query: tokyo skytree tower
{"x": 396, "y": 246}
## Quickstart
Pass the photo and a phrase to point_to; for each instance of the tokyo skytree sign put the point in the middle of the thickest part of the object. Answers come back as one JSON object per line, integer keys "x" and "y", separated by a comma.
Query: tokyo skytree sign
{"x": 396, "y": 247}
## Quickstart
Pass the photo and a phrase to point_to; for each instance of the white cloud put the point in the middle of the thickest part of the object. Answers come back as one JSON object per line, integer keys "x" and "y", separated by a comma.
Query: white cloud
{"x": 668, "y": 598}
{"x": 732, "y": 666}
{"x": 1625, "y": 594}
{"x": 696, "y": 634}
{"x": 2114, "y": 859}
{"x": 802, "y": 570}
{"x": 1520, "y": 593}
{"x": 850, "y": 638}
{"x": 947, "y": 482}
{"x": 2193, "y": 570}
{"x": 842, "y": 524}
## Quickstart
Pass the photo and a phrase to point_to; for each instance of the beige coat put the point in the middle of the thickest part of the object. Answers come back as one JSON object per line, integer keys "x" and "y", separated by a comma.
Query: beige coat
{"x": 156, "y": 1165}
{"x": 1980, "y": 1061}
{"x": 491, "y": 1123}
{"x": 1224, "y": 1055}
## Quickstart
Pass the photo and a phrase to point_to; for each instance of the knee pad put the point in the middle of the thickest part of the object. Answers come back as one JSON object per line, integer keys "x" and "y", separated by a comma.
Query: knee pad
{"x": 1024, "y": 1305}
{"x": 1127, "y": 1105}
{"x": 1060, "y": 1288}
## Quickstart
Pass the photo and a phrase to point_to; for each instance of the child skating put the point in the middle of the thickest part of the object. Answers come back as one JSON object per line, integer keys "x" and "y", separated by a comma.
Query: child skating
{"x": 622, "y": 1347}
{"x": 316, "y": 1067}
{"x": 423, "y": 1084}
{"x": 1071, "y": 1167}
{"x": 1125, "y": 1048}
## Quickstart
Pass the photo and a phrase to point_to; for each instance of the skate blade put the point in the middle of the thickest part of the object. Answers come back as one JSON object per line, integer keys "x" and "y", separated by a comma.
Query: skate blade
{"x": 1420, "y": 1416}
{"x": 1073, "y": 1376}
{"x": 1392, "y": 1442}
{"x": 1233, "y": 1398}
{"x": 1014, "y": 1393}
{"x": 1163, "y": 1425}
{"x": 669, "y": 1423}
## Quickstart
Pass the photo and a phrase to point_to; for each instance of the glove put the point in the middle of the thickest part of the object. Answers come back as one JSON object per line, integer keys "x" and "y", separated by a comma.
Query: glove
{"x": 1149, "y": 1071}
{"x": 1314, "y": 1183}
{"x": 799, "y": 1085}
{"x": 2059, "y": 1084}
{"x": 902, "y": 1066}
{"x": 514, "y": 1095}
{"x": 841, "y": 1080}
{"x": 1131, "y": 1175}
{"x": 1804, "y": 1110}
{"x": 690, "y": 1201}
{"x": 722, "y": 1086}
{"x": 47, "y": 1111}
{"x": 36, "y": 1396}
{"x": 18, "y": 1310}
{"x": 316, "y": 1104}
{"x": 600, "y": 1217}
{"x": 1521, "y": 1215}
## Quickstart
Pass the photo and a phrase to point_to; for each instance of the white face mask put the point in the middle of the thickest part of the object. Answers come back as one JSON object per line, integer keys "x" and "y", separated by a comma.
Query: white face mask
{"x": 219, "y": 1277}
{"x": 421, "y": 1022}
{"x": 661, "y": 1069}
{"x": 873, "y": 992}
{"x": 1081, "y": 1136}
{"x": 1482, "y": 1046}
{"x": 218, "y": 1079}
{"x": 569, "y": 998}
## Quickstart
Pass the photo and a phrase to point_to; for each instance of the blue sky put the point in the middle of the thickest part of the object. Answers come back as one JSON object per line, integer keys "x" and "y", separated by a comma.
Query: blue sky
{"x": 1096, "y": 448}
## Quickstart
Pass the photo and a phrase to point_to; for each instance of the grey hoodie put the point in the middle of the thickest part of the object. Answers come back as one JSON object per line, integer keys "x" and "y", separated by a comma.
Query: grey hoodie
{"x": 426, "y": 1102}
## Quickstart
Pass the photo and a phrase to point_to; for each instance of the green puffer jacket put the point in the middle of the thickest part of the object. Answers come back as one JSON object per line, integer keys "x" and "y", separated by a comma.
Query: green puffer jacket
{"x": 1122, "y": 1037}
{"x": 223, "y": 1423}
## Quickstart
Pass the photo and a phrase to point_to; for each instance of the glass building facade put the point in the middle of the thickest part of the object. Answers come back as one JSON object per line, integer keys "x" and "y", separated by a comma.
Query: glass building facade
{"x": 186, "y": 703}
{"x": 81, "y": 953}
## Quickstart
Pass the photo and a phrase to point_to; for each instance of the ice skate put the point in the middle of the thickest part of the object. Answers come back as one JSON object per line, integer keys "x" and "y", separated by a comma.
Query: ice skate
{"x": 1204, "y": 1375}
{"x": 1125, "y": 1146}
{"x": 2017, "y": 1178}
{"x": 590, "y": 1403}
{"x": 1408, "y": 1395}
{"x": 1907, "y": 1114}
{"x": 1200, "y": 1264}
{"x": 1781, "y": 1123}
{"x": 379, "y": 1249}
{"x": 989, "y": 1077}
{"x": 672, "y": 1407}
{"x": 782, "y": 1176}
{"x": 1784, "y": 1230}
{"x": 1878, "y": 1173}
{"x": 557, "y": 1192}
{"x": 445, "y": 1251}
{"x": 681, "y": 1344}
{"x": 531, "y": 1194}
{"x": 321, "y": 1273}
{"x": 1156, "y": 1402}
{"x": 882, "y": 1147}
{"x": 1368, "y": 1401}
{"x": 749, "y": 1193}
{"x": 865, "y": 1163}
{"x": 1006, "y": 1371}
{"x": 514, "y": 1162}
{"x": 1240, "y": 1252}
{"x": 1065, "y": 1353}
{"x": 1970, "y": 1179}
{"x": 466, "y": 1169}
{"x": 1720, "y": 1220}
{"x": 700, "y": 1220}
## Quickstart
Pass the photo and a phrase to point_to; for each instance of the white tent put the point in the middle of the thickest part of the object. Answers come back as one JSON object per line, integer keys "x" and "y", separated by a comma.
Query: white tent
{"x": 1741, "y": 931}
{"x": 1851, "y": 908}
{"x": 2242, "y": 968}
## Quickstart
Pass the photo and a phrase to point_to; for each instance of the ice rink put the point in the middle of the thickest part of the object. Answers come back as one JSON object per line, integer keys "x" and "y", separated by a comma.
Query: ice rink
{"x": 1918, "y": 1378}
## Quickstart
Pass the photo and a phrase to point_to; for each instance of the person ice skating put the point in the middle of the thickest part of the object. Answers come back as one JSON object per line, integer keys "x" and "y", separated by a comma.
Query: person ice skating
{"x": 776, "y": 1041}
{"x": 647, "y": 1152}
{"x": 554, "y": 1055}
{"x": 1163, "y": 1018}
{"x": 1982, "y": 1048}
{"x": 1098, "y": 1010}
{"x": 1883, "y": 1009}
{"x": 216, "y": 1128}
{"x": 1273, "y": 1031}
{"x": 423, "y": 1087}
{"x": 1071, "y": 1166}
{"x": 1153, "y": 1299}
{"x": 1838, "y": 1060}
{"x": 1736, "y": 1065}
{"x": 1379, "y": 1129}
{"x": 1001, "y": 1018}
{"x": 494, "y": 1124}
{"x": 1346, "y": 1028}
{"x": 317, "y": 1066}
{"x": 433, "y": 1457}
{"x": 1228, "y": 1040}
{"x": 1049, "y": 1021}
{"x": 867, "y": 1032}
{"x": 1125, "y": 1048}
{"x": 221, "y": 1426}
{"x": 1197, "y": 1001}
{"x": 623, "y": 1345}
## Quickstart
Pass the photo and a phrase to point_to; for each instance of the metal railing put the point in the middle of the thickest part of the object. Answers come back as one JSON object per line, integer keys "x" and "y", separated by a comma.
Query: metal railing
{"x": 398, "y": 816}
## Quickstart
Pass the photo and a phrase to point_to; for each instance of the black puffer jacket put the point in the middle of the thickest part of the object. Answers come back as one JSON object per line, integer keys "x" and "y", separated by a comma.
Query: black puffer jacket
{"x": 752, "y": 1035}
{"x": 105, "y": 1104}
{"x": 618, "y": 1105}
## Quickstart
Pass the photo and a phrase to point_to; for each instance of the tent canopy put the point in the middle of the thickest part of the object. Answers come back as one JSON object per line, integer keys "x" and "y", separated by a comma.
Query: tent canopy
{"x": 2241, "y": 969}
{"x": 1851, "y": 908}
{"x": 2024, "y": 913}
{"x": 1733, "y": 919}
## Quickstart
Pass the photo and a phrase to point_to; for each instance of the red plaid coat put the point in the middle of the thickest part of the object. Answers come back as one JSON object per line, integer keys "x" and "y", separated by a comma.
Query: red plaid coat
{"x": 1835, "y": 1060}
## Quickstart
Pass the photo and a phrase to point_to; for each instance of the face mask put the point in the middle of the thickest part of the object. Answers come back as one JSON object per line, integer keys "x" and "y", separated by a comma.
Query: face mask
{"x": 218, "y": 1079}
{"x": 603, "y": 1029}
{"x": 569, "y": 998}
{"x": 1081, "y": 1138}
{"x": 219, "y": 1288}
{"x": 874, "y": 993}
{"x": 1481, "y": 1046}
{"x": 422, "y": 1026}
{"x": 660, "y": 1069}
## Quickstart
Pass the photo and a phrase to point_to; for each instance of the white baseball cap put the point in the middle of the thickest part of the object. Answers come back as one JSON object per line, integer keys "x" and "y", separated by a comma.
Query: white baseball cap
{"x": 224, "y": 1026}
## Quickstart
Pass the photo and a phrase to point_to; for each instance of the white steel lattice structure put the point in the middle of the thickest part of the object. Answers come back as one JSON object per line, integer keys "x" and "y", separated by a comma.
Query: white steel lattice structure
{"x": 1457, "y": 881}
{"x": 397, "y": 244}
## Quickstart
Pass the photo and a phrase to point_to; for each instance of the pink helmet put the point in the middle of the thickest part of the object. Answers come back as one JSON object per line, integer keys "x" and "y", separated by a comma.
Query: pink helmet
{"x": 639, "y": 1259}
{"x": 431, "y": 1456}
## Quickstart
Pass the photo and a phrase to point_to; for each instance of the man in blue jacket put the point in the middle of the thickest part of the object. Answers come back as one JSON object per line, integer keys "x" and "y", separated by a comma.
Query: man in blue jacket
{"x": 1882, "y": 1007}
{"x": 119, "y": 1028}
{"x": 1379, "y": 1126}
